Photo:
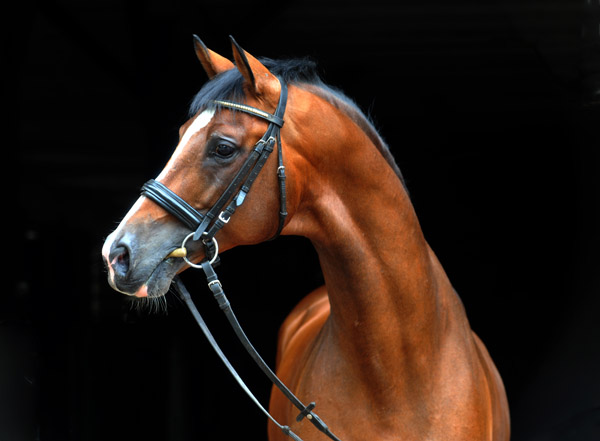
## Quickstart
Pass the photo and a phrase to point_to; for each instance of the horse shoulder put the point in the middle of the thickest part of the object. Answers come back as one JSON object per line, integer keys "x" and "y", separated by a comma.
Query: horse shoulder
{"x": 303, "y": 324}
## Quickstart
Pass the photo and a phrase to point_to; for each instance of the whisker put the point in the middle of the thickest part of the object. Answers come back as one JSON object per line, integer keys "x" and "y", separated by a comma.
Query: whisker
{"x": 150, "y": 305}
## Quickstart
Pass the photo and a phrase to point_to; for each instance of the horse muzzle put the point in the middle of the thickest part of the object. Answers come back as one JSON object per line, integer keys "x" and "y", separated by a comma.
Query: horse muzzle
{"x": 141, "y": 265}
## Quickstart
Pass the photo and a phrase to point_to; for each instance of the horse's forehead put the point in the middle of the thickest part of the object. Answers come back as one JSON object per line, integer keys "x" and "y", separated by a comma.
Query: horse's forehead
{"x": 195, "y": 126}
{"x": 201, "y": 121}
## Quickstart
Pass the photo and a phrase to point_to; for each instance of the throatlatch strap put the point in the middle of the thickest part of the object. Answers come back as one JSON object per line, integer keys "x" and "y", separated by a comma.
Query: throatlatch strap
{"x": 282, "y": 191}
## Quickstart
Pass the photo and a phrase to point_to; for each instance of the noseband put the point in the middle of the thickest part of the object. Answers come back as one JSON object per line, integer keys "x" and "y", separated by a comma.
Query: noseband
{"x": 205, "y": 226}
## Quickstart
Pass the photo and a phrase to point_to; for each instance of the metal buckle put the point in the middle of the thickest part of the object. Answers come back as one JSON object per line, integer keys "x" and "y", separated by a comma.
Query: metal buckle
{"x": 222, "y": 219}
{"x": 215, "y": 282}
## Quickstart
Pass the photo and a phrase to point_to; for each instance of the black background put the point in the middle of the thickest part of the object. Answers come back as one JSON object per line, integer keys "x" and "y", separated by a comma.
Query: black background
{"x": 488, "y": 107}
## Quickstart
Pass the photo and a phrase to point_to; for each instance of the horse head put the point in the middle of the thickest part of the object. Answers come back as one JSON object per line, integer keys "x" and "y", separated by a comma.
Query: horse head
{"x": 213, "y": 145}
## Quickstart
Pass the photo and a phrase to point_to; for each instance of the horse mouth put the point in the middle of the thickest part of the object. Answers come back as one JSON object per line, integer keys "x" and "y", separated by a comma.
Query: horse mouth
{"x": 159, "y": 281}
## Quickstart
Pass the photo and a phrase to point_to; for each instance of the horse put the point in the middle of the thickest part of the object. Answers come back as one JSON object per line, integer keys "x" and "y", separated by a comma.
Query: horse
{"x": 384, "y": 348}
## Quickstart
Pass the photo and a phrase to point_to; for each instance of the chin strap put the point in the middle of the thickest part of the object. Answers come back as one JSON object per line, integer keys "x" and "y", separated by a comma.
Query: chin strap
{"x": 216, "y": 288}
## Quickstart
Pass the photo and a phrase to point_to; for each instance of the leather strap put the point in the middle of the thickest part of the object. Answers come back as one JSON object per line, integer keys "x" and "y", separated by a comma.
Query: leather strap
{"x": 167, "y": 199}
{"x": 240, "y": 176}
{"x": 276, "y": 122}
{"x": 282, "y": 191}
{"x": 273, "y": 119}
{"x": 217, "y": 289}
{"x": 185, "y": 296}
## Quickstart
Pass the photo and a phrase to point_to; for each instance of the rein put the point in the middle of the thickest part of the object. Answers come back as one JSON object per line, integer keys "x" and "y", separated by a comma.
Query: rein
{"x": 205, "y": 226}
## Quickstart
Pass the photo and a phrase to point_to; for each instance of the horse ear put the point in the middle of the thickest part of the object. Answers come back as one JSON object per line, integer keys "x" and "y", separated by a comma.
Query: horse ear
{"x": 212, "y": 62}
{"x": 258, "y": 78}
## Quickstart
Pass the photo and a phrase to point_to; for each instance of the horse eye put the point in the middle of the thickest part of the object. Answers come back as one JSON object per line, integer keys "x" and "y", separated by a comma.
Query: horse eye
{"x": 224, "y": 150}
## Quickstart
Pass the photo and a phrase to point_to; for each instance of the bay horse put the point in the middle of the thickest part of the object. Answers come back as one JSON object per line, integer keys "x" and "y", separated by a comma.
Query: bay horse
{"x": 384, "y": 348}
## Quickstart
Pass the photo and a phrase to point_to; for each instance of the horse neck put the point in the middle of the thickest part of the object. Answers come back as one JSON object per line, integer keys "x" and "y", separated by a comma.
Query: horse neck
{"x": 385, "y": 285}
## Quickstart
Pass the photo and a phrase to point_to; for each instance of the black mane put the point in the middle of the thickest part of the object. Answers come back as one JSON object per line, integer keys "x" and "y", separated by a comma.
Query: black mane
{"x": 229, "y": 85}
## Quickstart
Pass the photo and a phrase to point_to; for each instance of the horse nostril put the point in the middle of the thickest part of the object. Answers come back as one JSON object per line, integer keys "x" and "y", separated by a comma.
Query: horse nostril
{"x": 119, "y": 260}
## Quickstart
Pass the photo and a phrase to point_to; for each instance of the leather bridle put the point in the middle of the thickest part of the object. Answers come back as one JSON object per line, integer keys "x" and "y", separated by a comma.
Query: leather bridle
{"x": 205, "y": 226}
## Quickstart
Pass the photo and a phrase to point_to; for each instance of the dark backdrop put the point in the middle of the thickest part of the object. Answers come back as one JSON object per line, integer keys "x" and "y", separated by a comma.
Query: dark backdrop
{"x": 489, "y": 108}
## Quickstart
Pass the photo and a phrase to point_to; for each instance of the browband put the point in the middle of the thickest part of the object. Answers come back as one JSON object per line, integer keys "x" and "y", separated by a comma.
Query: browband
{"x": 273, "y": 119}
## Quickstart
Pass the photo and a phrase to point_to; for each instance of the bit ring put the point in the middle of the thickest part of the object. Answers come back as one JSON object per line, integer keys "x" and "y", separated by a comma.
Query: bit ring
{"x": 195, "y": 265}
